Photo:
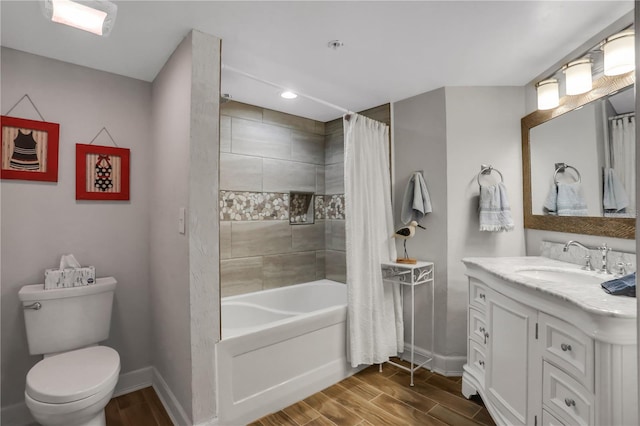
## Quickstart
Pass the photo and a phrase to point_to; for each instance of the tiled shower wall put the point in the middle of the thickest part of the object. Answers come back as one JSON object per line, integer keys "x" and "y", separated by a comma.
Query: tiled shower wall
{"x": 264, "y": 155}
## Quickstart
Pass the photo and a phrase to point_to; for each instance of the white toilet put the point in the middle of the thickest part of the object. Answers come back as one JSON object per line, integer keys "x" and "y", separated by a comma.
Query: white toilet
{"x": 76, "y": 379}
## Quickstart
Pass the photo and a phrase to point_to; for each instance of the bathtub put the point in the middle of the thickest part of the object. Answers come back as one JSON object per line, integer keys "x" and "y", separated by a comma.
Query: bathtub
{"x": 279, "y": 346}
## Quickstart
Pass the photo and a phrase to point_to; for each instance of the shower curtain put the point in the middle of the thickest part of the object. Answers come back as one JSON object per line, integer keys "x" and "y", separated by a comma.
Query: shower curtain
{"x": 623, "y": 153}
{"x": 375, "y": 308}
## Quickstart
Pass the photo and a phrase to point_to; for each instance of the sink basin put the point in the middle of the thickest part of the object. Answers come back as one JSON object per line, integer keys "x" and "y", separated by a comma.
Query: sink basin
{"x": 574, "y": 276}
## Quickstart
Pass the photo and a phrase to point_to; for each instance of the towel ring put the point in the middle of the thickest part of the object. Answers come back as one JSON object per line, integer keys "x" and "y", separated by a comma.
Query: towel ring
{"x": 486, "y": 170}
{"x": 561, "y": 168}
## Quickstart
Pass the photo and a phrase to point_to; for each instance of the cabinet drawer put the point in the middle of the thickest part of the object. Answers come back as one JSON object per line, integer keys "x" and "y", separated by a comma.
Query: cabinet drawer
{"x": 549, "y": 419}
{"x": 564, "y": 397}
{"x": 476, "y": 359}
{"x": 477, "y": 294}
{"x": 568, "y": 348}
{"x": 477, "y": 326}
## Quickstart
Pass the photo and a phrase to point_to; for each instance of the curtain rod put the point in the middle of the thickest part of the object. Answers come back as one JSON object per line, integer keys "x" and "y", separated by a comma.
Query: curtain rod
{"x": 629, "y": 114}
{"x": 278, "y": 86}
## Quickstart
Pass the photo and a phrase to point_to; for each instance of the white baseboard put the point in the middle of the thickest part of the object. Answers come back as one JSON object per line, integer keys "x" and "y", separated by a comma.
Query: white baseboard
{"x": 133, "y": 381}
{"x": 17, "y": 415}
{"x": 171, "y": 405}
{"x": 442, "y": 364}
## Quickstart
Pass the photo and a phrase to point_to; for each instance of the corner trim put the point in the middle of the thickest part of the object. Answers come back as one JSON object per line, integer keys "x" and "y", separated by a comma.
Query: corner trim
{"x": 442, "y": 364}
{"x": 169, "y": 401}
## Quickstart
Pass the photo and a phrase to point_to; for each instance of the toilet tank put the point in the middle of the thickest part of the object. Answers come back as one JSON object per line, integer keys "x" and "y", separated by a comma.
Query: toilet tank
{"x": 68, "y": 318}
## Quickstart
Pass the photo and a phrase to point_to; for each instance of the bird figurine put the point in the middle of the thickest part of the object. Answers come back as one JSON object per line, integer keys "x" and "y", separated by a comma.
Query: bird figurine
{"x": 405, "y": 233}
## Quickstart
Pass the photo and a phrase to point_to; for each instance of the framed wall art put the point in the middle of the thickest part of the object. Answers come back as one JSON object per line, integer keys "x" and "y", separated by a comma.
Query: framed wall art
{"x": 29, "y": 149}
{"x": 102, "y": 173}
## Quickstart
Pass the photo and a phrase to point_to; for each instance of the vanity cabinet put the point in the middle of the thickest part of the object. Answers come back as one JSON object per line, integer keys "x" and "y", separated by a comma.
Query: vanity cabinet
{"x": 538, "y": 359}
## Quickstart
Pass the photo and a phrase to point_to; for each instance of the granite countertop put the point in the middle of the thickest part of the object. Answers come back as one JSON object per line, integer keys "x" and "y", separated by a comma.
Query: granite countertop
{"x": 588, "y": 296}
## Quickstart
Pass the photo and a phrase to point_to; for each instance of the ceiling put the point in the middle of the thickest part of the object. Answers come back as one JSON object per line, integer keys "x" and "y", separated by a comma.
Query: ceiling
{"x": 392, "y": 50}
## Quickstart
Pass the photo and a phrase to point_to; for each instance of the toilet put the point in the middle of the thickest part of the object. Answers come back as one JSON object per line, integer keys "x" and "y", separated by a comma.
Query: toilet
{"x": 76, "y": 379}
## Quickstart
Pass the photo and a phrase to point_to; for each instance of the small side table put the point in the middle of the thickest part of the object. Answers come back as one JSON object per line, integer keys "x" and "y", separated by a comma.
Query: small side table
{"x": 408, "y": 275}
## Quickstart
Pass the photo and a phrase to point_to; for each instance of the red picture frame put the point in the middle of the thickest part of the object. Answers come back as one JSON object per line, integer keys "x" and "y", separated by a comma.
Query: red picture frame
{"x": 102, "y": 173}
{"x": 29, "y": 149}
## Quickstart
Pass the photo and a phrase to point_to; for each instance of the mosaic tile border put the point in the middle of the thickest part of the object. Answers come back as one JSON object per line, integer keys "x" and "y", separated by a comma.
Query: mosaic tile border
{"x": 245, "y": 206}
{"x": 252, "y": 206}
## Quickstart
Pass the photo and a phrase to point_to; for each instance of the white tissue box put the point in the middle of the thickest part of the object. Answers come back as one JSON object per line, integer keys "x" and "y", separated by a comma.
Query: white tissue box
{"x": 69, "y": 277}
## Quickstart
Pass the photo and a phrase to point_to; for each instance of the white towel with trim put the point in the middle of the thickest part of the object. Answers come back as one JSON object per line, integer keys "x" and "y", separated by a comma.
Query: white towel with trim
{"x": 495, "y": 212}
{"x": 416, "y": 202}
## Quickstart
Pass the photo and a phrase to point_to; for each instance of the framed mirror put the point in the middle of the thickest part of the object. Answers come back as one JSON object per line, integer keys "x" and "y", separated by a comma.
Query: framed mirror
{"x": 573, "y": 167}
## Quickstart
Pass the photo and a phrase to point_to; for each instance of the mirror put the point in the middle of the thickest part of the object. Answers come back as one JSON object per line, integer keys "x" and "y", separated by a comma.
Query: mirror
{"x": 572, "y": 181}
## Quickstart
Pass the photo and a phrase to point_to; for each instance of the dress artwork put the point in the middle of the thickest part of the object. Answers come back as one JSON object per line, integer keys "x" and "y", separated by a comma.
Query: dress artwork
{"x": 103, "y": 180}
{"x": 24, "y": 156}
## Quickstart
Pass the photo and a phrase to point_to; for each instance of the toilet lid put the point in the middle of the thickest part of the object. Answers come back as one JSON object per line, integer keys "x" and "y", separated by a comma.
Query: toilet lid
{"x": 72, "y": 376}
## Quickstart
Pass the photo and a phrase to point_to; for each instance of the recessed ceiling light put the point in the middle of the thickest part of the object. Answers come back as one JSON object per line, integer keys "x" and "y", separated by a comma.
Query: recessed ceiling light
{"x": 288, "y": 95}
{"x": 94, "y": 16}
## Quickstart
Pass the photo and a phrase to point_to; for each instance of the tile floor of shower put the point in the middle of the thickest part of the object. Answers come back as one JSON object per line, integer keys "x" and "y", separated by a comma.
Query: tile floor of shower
{"x": 371, "y": 398}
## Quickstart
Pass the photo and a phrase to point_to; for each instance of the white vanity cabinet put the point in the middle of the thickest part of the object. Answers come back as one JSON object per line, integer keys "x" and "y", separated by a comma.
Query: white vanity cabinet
{"x": 537, "y": 357}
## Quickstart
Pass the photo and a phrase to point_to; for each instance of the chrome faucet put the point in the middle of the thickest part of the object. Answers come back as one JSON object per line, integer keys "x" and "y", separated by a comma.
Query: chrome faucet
{"x": 604, "y": 250}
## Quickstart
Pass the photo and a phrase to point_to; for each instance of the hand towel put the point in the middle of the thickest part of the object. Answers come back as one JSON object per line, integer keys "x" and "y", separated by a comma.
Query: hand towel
{"x": 565, "y": 199}
{"x": 623, "y": 286}
{"x": 615, "y": 197}
{"x": 416, "y": 202}
{"x": 495, "y": 213}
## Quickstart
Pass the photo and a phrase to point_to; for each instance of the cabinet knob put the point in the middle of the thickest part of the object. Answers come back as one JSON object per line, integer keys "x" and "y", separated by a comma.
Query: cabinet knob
{"x": 482, "y": 296}
{"x": 565, "y": 347}
{"x": 481, "y": 330}
{"x": 569, "y": 402}
{"x": 481, "y": 362}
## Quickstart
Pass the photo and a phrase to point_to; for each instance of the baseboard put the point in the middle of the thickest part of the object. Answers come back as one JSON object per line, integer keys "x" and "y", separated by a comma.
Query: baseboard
{"x": 169, "y": 401}
{"x": 17, "y": 415}
{"x": 442, "y": 364}
{"x": 133, "y": 381}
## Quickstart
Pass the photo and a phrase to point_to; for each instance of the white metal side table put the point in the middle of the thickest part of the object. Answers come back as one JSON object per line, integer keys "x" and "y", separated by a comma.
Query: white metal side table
{"x": 408, "y": 275}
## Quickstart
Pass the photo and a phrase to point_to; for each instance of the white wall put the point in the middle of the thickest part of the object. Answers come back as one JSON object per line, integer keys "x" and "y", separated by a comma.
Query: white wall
{"x": 483, "y": 127}
{"x": 449, "y": 133}
{"x": 42, "y": 221}
{"x": 184, "y": 267}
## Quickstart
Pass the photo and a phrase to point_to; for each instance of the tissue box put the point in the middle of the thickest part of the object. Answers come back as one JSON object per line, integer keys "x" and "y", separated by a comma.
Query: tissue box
{"x": 69, "y": 277}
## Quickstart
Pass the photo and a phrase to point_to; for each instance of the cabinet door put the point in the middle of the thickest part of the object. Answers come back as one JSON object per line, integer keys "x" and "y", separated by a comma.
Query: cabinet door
{"x": 511, "y": 351}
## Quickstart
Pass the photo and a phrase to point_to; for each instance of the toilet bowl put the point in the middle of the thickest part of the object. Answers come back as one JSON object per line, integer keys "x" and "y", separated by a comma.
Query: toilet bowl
{"x": 72, "y": 388}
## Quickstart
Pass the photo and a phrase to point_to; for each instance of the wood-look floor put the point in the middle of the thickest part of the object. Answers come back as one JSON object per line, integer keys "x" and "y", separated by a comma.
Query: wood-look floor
{"x": 371, "y": 398}
{"x": 139, "y": 408}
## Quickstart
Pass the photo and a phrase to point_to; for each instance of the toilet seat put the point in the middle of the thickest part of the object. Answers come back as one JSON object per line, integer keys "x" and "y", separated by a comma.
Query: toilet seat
{"x": 73, "y": 376}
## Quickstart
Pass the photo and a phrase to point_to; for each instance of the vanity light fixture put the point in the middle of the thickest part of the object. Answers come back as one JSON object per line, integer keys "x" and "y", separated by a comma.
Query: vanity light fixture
{"x": 619, "y": 53}
{"x": 288, "y": 95}
{"x": 548, "y": 96}
{"x": 578, "y": 77}
{"x": 94, "y": 16}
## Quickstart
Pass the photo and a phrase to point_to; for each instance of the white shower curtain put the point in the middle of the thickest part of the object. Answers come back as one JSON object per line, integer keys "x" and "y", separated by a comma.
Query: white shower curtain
{"x": 623, "y": 148}
{"x": 375, "y": 309}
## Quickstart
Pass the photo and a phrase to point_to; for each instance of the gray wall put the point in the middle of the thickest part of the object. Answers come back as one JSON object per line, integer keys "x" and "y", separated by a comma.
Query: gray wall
{"x": 42, "y": 221}
{"x": 184, "y": 271}
{"x": 448, "y": 133}
{"x": 420, "y": 143}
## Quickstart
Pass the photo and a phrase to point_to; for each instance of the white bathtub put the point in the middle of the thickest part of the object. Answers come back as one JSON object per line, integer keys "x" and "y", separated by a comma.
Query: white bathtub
{"x": 279, "y": 346}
